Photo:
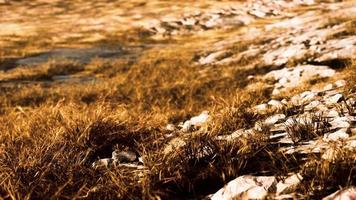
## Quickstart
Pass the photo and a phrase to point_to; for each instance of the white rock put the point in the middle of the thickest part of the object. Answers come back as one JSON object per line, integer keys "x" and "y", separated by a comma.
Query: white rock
{"x": 340, "y": 83}
{"x": 275, "y": 119}
{"x": 328, "y": 87}
{"x": 105, "y": 162}
{"x": 275, "y": 104}
{"x": 312, "y": 105}
{"x": 343, "y": 194}
{"x": 170, "y": 127}
{"x": 123, "y": 156}
{"x": 338, "y": 135}
{"x": 261, "y": 108}
{"x": 307, "y": 96}
{"x": 289, "y": 184}
{"x": 332, "y": 113}
{"x": 196, "y": 121}
{"x": 210, "y": 58}
{"x": 334, "y": 99}
{"x": 246, "y": 187}
{"x": 340, "y": 122}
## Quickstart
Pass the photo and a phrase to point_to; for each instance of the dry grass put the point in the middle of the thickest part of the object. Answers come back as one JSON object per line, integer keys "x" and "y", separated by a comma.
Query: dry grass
{"x": 52, "y": 132}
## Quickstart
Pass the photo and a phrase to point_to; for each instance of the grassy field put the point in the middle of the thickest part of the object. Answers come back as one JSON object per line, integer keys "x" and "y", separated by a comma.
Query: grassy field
{"x": 52, "y": 131}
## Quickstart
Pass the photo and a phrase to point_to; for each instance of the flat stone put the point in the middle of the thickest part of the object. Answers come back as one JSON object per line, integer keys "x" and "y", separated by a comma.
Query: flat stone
{"x": 170, "y": 127}
{"x": 275, "y": 104}
{"x": 289, "y": 184}
{"x": 274, "y": 119}
{"x": 333, "y": 99}
{"x": 331, "y": 113}
{"x": 102, "y": 163}
{"x": 195, "y": 122}
{"x": 340, "y": 83}
{"x": 343, "y": 194}
{"x": 246, "y": 187}
{"x": 261, "y": 108}
{"x": 335, "y": 136}
{"x": 328, "y": 87}
{"x": 235, "y": 135}
{"x": 340, "y": 122}
{"x": 124, "y": 156}
{"x": 312, "y": 105}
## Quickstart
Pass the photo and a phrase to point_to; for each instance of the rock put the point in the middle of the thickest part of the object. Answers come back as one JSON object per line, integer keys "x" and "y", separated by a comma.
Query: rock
{"x": 338, "y": 135}
{"x": 250, "y": 77}
{"x": 247, "y": 187}
{"x": 334, "y": 99}
{"x": 275, "y": 119}
{"x": 276, "y": 104}
{"x": 195, "y": 122}
{"x": 332, "y": 113}
{"x": 102, "y": 163}
{"x": 261, "y": 108}
{"x": 170, "y": 127}
{"x": 353, "y": 131}
{"x": 289, "y": 184}
{"x": 328, "y": 87}
{"x": 312, "y": 105}
{"x": 340, "y": 122}
{"x": 211, "y": 58}
{"x": 235, "y": 135}
{"x": 343, "y": 194}
{"x": 124, "y": 156}
{"x": 291, "y": 77}
{"x": 307, "y": 96}
{"x": 340, "y": 83}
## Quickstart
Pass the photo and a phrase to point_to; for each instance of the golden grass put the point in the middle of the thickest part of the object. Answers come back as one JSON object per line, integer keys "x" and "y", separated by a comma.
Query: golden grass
{"x": 51, "y": 133}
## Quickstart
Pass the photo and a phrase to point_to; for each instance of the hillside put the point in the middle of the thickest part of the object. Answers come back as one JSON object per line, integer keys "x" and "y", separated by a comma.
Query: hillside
{"x": 136, "y": 99}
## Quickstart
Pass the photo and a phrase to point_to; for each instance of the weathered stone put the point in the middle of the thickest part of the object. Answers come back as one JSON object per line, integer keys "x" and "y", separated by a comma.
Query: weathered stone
{"x": 312, "y": 105}
{"x": 328, "y": 87}
{"x": 195, "y": 122}
{"x": 275, "y": 104}
{"x": 335, "y": 136}
{"x": 170, "y": 127}
{"x": 334, "y": 99}
{"x": 102, "y": 163}
{"x": 343, "y": 194}
{"x": 332, "y": 113}
{"x": 340, "y": 122}
{"x": 289, "y": 184}
{"x": 340, "y": 83}
{"x": 274, "y": 119}
{"x": 247, "y": 187}
{"x": 261, "y": 108}
{"x": 124, "y": 156}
